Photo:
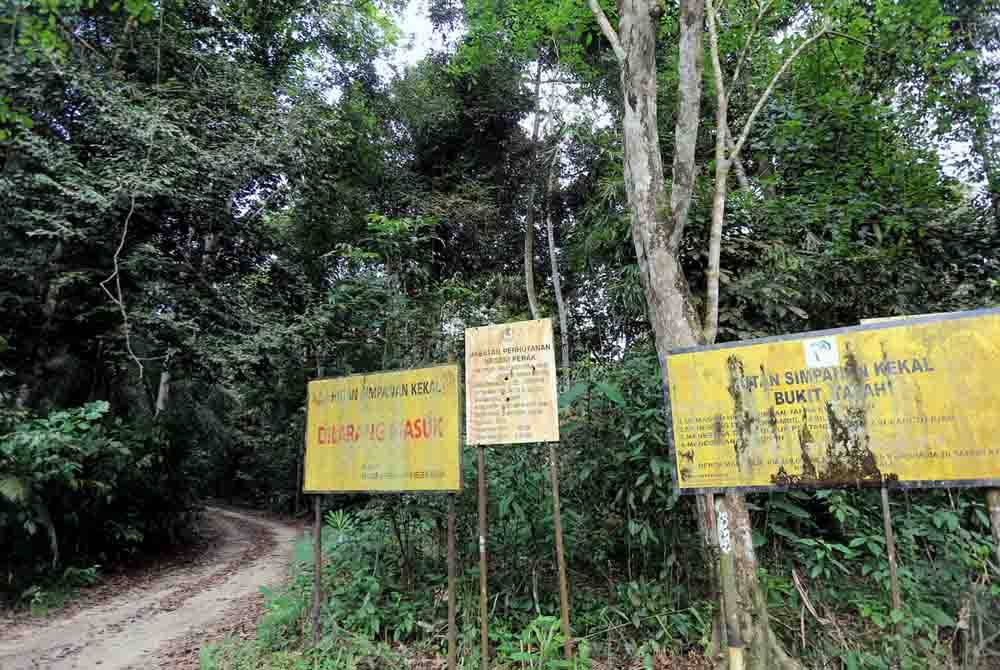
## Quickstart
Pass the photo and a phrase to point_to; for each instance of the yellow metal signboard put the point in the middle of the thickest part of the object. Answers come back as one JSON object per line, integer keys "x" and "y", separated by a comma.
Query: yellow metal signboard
{"x": 914, "y": 403}
{"x": 510, "y": 382}
{"x": 389, "y": 431}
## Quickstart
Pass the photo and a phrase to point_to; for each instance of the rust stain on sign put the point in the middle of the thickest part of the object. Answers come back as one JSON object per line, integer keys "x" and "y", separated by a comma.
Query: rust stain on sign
{"x": 510, "y": 384}
{"x": 912, "y": 402}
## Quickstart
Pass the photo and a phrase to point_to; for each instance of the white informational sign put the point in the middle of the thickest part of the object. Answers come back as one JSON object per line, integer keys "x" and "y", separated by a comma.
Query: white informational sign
{"x": 510, "y": 384}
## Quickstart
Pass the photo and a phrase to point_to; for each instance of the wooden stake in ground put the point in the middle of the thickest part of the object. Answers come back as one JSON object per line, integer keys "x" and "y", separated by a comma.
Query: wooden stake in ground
{"x": 452, "y": 630}
{"x": 317, "y": 568}
{"x": 560, "y": 552}
{"x": 890, "y": 546}
{"x": 993, "y": 508}
{"x": 730, "y": 594}
{"x": 705, "y": 517}
{"x": 483, "y": 604}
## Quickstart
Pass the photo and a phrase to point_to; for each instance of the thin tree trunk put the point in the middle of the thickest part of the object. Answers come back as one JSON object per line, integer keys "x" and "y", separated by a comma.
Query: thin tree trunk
{"x": 529, "y": 217}
{"x": 721, "y": 182}
{"x": 992, "y": 175}
{"x": 163, "y": 392}
{"x": 556, "y": 281}
{"x": 980, "y": 140}
{"x": 723, "y": 162}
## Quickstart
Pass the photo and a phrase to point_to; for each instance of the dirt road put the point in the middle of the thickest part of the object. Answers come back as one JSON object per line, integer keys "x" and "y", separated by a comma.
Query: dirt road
{"x": 136, "y": 628}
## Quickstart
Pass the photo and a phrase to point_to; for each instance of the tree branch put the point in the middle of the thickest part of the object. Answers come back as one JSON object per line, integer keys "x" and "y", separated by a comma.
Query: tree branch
{"x": 746, "y": 45}
{"x": 118, "y": 297}
{"x": 529, "y": 218}
{"x": 609, "y": 32}
{"x": 774, "y": 81}
{"x": 851, "y": 38}
{"x": 741, "y": 173}
{"x": 72, "y": 35}
{"x": 737, "y": 164}
{"x": 722, "y": 164}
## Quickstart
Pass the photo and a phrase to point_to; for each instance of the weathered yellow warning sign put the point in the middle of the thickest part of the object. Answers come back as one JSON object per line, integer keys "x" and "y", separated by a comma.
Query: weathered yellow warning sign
{"x": 912, "y": 403}
{"x": 510, "y": 384}
{"x": 389, "y": 431}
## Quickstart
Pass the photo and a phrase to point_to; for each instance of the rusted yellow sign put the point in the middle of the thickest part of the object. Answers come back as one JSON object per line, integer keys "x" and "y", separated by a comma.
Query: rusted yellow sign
{"x": 510, "y": 384}
{"x": 915, "y": 403}
{"x": 389, "y": 431}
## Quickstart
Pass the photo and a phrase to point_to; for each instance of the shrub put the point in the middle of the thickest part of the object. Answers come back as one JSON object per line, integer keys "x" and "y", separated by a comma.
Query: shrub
{"x": 75, "y": 489}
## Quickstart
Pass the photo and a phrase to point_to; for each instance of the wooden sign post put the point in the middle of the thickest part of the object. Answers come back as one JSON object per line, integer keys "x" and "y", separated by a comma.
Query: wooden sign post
{"x": 452, "y": 571}
{"x": 484, "y": 633}
{"x": 890, "y": 548}
{"x": 384, "y": 432}
{"x": 560, "y": 552}
{"x": 511, "y": 398}
{"x": 317, "y": 602}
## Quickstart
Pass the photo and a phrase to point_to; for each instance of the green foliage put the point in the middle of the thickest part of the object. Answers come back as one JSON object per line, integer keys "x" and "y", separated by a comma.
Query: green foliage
{"x": 285, "y": 613}
{"x": 293, "y": 212}
{"x": 843, "y": 568}
{"x": 73, "y": 479}
{"x": 52, "y": 591}
{"x": 539, "y": 646}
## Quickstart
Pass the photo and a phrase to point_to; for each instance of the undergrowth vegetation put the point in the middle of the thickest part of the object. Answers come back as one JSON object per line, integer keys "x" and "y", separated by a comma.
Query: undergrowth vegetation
{"x": 76, "y": 487}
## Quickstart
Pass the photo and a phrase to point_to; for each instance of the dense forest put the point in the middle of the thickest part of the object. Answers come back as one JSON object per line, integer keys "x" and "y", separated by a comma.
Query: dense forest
{"x": 206, "y": 203}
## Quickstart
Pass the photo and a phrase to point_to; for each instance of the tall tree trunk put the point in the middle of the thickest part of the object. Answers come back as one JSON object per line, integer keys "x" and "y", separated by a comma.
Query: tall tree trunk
{"x": 163, "y": 392}
{"x": 658, "y": 221}
{"x": 979, "y": 118}
{"x": 657, "y": 233}
{"x": 991, "y": 172}
{"x": 554, "y": 260}
{"x": 763, "y": 649}
{"x": 689, "y": 70}
{"x": 529, "y": 217}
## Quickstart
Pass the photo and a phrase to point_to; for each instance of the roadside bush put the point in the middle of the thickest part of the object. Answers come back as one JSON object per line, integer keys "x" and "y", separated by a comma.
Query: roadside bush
{"x": 828, "y": 574}
{"x": 77, "y": 491}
